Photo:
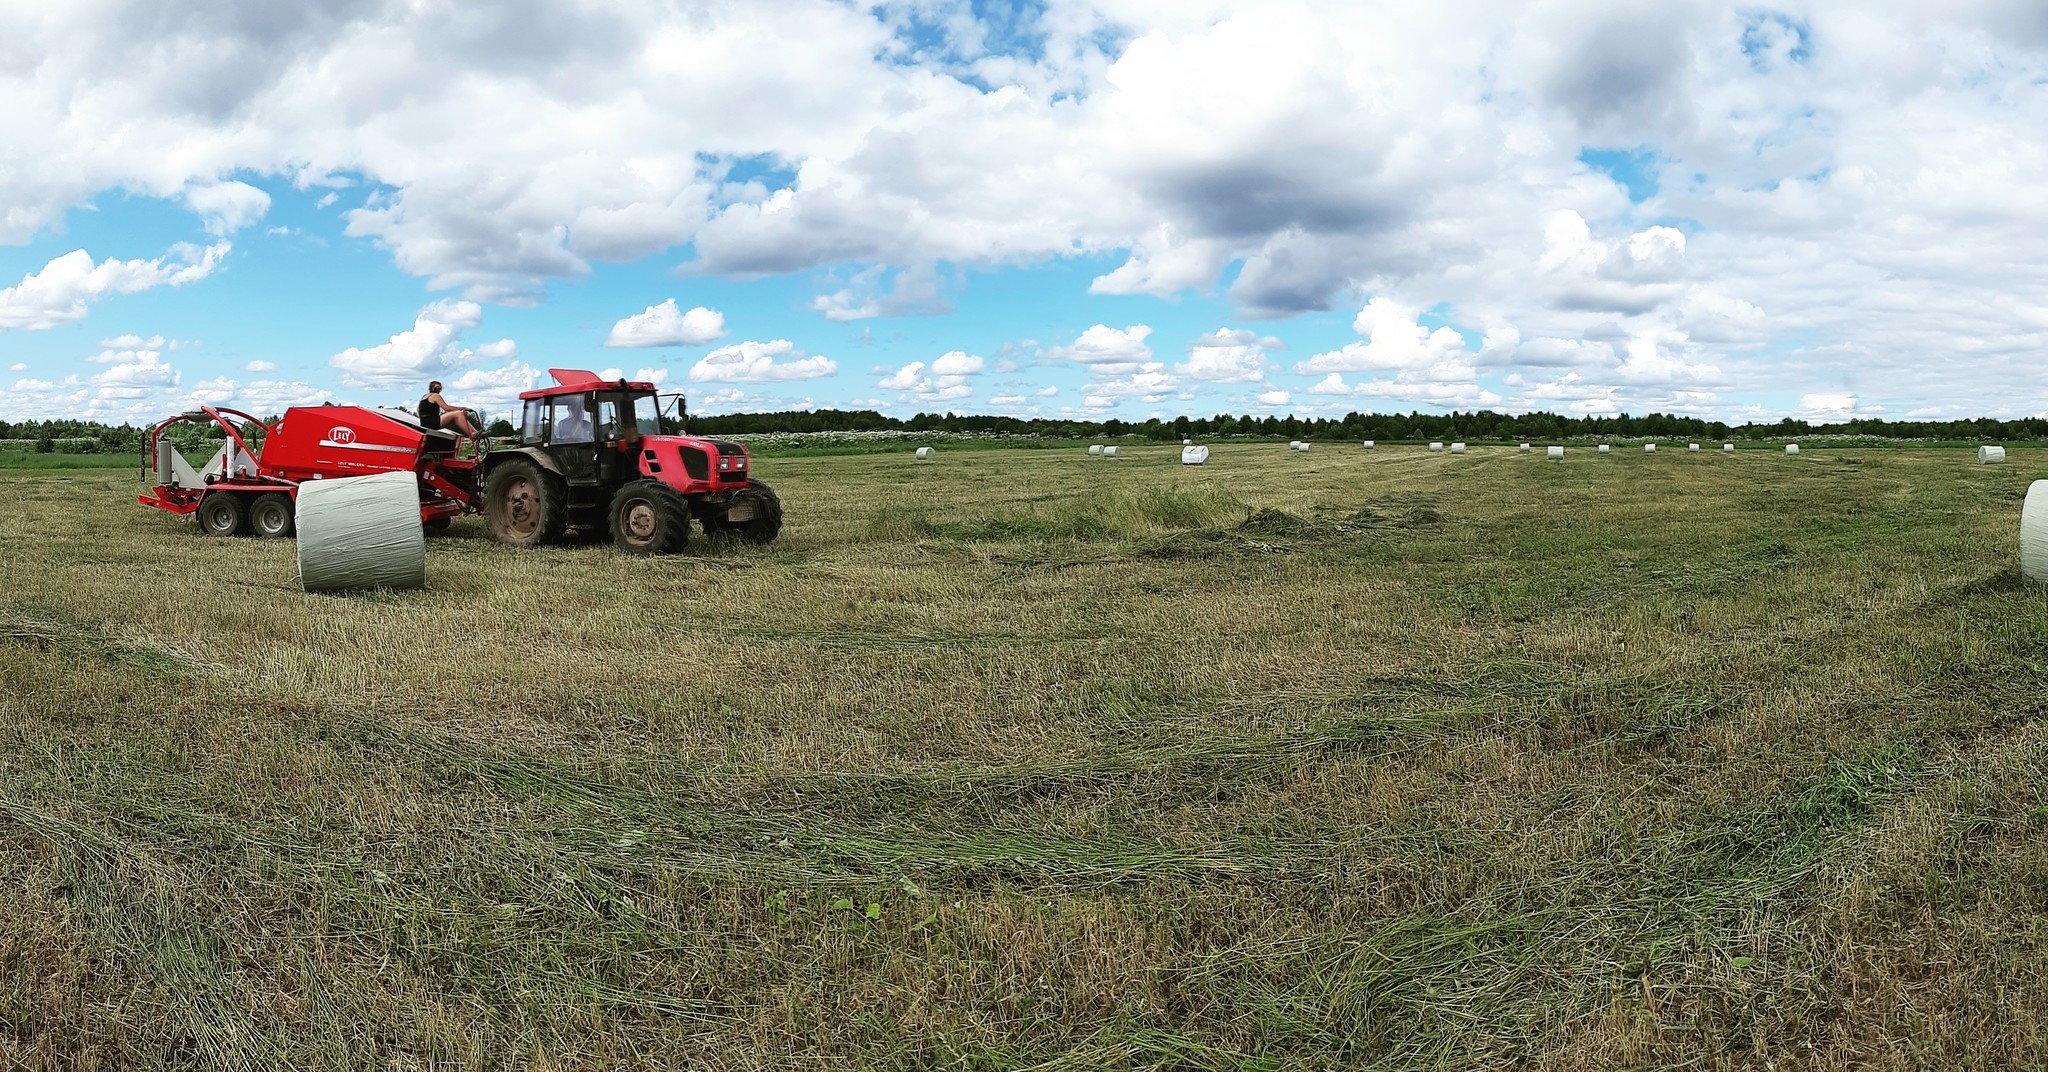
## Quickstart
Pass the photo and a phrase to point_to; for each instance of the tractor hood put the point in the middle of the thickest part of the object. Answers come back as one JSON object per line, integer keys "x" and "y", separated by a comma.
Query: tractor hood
{"x": 693, "y": 464}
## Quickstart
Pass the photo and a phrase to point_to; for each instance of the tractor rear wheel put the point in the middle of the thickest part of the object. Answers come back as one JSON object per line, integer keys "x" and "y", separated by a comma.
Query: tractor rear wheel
{"x": 270, "y": 516}
{"x": 765, "y": 522}
{"x": 649, "y": 518}
{"x": 525, "y": 505}
{"x": 221, "y": 513}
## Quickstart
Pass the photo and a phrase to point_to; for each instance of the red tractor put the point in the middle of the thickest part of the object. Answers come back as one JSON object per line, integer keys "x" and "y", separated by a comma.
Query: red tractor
{"x": 591, "y": 457}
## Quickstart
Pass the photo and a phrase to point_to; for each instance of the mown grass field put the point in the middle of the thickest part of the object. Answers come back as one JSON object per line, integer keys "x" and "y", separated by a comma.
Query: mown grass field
{"x": 1022, "y": 759}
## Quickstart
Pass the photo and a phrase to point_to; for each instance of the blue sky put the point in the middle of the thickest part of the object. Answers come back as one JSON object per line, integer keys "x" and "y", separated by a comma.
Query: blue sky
{"x": 1067, "y": 208}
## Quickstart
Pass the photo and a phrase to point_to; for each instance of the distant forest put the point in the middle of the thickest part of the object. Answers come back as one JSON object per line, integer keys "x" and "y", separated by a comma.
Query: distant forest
{"x": 1480, "y": 425}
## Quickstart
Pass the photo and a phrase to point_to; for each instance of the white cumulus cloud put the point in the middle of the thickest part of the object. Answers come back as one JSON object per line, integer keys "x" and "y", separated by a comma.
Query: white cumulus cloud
{"x": 227, "y": 207}
{"x": 67, "y": 285}
{"x": 945, "y": 379}
{"x": 665, "y": 325}
{"x": 431, "y": 349}
{"x": 1228, "y": 356}
{"x": 761, "y": 362}
{"x": 1111, "y": 348}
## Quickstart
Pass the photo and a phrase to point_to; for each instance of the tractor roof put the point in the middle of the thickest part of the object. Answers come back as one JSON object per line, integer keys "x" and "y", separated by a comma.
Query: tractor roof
{"x": 576, "y": 381}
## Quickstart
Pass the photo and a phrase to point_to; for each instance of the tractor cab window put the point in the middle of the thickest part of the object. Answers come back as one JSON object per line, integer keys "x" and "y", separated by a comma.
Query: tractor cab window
{"x": 571, "y": 419}
{"x": 529, "y": 426}
{"x": 608, "y": 418}
{"x": 646, "y": 414}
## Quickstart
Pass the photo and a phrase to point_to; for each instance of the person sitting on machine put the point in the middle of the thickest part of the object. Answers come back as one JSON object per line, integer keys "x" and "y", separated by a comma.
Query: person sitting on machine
{"x": 435, "y": 412}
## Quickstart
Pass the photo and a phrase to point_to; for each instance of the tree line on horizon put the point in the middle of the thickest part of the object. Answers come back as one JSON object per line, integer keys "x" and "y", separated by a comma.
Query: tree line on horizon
{"x": 1392, "y": 427}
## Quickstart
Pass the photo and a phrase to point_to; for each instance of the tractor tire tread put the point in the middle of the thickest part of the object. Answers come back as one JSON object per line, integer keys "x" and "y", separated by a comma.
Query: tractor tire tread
{"x": 554, "y": 502}
{"x": 672, "y": 525}
{"x": 767, "y": 522}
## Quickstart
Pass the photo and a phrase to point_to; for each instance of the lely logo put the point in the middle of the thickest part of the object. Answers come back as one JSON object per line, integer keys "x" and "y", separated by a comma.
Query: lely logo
{"x": 341, "y": 434}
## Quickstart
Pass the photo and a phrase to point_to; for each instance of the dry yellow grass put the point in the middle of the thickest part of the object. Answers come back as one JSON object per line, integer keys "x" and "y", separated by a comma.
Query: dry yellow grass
{"x": 1023, "y": 759}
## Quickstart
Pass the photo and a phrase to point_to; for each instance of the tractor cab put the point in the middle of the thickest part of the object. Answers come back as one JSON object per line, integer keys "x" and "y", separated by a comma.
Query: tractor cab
{"x": 590, "y": 428}
{"x": 592, "y": 455}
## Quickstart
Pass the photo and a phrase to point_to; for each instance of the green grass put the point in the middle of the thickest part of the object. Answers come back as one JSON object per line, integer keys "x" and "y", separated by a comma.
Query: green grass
{"x": 1024, "y": 759}
{"x": 15, "y": 459}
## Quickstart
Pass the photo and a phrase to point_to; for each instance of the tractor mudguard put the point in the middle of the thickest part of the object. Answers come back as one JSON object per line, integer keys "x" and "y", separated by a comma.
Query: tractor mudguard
{"x": 499, "y": 454}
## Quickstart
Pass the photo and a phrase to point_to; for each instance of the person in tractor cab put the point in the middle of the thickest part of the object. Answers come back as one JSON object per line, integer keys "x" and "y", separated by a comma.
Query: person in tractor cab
{"x": 435, "y": 412}
{"x": 572, "y": 421}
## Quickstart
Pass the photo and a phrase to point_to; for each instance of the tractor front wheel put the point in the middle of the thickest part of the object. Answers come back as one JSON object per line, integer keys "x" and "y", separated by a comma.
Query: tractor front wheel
{"x": 525, "y": 505}
{"x": 222, "y": 514}
{"x": 649, "y": 518}
{"x": 270, "y": 516}
{"x": 760, "y": 511}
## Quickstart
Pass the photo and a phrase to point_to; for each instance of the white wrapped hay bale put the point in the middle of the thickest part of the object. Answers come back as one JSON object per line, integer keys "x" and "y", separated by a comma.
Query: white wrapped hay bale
{"x": 1304, "y": 447}
{"x": 361, "y": 532}
{"x": 1524, "y": 448}
{"x": 924, "y": 454}
{"x": 1109, "y": 452}
{"x": 1457, "y": 448}
{"x": 1294, "y": 444}
{"x": 1989, "y": 455}
{"x": 1791, "y": 448}
{"x": 1193, "y": 455}
{"x": 2034, "y": 532}
{"x": 1727, "y": 448}
{"x": 1368, "y": 444}
{"x": 1603, "y": 448}
{"x": 1436, "y": 446}
{"x": 1649, "y": 448}
{"x": 1095, "y": 450}
{"x": 1554, "y": 453}
{"x": 1692, "y": 448}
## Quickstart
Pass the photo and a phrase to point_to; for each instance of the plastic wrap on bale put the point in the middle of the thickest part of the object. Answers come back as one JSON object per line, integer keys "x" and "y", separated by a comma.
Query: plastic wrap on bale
{"x": 2034, "y": 533}
{"x": 360, "y": 533}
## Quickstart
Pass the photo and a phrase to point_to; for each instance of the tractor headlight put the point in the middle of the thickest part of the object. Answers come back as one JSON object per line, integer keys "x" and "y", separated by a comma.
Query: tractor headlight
{"x": 724, "y": 464}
